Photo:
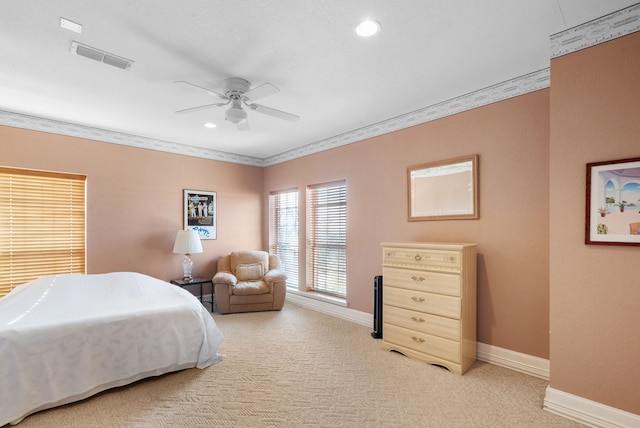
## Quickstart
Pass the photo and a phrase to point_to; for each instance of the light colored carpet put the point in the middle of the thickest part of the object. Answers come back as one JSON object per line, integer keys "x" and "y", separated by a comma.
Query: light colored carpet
{"x": 301, "y": 368}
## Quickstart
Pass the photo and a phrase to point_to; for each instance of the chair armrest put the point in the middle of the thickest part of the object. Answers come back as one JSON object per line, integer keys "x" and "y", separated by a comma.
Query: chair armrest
{"x": 274, "y": 275}
{"x": 225, "y": 278}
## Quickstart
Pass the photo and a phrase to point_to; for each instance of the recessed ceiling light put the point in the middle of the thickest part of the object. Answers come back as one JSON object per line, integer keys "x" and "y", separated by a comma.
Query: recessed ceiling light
{"x": 367, "y": 28}
{"x": 70, "y": 25}
{"x": 210, "y": 125}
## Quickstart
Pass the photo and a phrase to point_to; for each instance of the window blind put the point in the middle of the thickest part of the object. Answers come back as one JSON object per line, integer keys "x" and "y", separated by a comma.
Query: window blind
{"x": 42, "y": 225}
{"x": 283, "y": 232}
{"x": 327, "y": 238}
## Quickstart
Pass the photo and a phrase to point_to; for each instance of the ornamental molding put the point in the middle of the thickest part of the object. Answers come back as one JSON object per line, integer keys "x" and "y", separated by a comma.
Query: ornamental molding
{"x": 502, "y": 91}
{"x": 34, "y": 123}
{"x": 609, "y": 27}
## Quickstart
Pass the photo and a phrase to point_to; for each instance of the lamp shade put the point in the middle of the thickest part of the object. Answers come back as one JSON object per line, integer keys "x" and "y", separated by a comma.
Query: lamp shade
{"x": 187, "y": 242}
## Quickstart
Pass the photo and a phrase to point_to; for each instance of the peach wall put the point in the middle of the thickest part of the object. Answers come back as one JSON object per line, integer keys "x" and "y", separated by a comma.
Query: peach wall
{"x": 595, "y": 290}
{"x": 527, "y": 239}
{"x": 134, "y": 200}
{"x": 511, "y": 138}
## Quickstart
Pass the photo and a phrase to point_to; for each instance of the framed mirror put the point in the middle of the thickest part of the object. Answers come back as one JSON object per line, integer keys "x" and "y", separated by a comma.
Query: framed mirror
{"x": 444, "y": 190}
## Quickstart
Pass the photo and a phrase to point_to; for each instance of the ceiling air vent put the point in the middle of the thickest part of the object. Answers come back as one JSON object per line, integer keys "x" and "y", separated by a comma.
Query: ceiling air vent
{"x": 102, "y": 56}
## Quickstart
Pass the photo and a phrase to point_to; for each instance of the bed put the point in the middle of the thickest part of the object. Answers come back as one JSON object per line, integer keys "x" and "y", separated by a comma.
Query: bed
{"x": 64, "y": 338}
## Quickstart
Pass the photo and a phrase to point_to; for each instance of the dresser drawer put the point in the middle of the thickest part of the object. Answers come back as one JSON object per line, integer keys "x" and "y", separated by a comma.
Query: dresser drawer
{"x": 432, "y": 282}
{"x": 422, "y": 258}
{"x": 447, "y": 328}
{"x": 435, "y": 304}
{"x": 438, "y": 347}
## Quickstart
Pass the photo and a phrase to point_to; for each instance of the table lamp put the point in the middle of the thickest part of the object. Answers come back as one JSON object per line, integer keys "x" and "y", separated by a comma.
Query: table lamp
{"x": 187, "y": 243}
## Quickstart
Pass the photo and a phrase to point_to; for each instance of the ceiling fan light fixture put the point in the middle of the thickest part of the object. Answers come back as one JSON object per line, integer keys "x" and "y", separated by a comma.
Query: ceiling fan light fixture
{"x": 235, "y": 115}
{"x": 367, "y": 28}
{"x": 239, "y": 92}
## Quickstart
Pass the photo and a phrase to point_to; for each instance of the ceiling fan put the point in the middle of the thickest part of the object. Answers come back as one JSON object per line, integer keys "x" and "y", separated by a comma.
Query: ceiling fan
{"x": 236, "y": 92}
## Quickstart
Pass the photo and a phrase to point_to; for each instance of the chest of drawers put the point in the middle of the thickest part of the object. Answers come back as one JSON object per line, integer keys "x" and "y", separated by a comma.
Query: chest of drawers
{"x": 429, "y": 302}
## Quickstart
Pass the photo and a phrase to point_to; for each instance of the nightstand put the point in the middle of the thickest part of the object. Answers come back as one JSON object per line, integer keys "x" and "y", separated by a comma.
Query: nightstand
{"x": 195, "y": 281}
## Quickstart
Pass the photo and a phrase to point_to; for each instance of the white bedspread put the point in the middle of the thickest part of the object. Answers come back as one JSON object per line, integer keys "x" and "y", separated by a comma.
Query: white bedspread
{"x": 64, "y": 338}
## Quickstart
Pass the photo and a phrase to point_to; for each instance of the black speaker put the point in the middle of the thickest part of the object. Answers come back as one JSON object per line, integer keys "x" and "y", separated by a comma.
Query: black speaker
{"x": 377, "y": 307}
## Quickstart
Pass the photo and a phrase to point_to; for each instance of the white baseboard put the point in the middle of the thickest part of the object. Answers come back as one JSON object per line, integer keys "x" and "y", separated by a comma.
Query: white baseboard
{"x": 523, "y": 363}
{"x": 588, "y": 412}
{"x": 528, "y": 364}
{"x": 338, "y": 311}
{"x": 569, "y": 406}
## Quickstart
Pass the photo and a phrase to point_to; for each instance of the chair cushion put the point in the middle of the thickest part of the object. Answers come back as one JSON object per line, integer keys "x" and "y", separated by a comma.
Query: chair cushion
{"x": 246, "y": 288}
{"x": 249, "y": 272}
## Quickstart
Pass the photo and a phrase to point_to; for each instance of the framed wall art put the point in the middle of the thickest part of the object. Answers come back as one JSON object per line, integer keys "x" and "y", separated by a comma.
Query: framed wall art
{"x": 443, "y": 190}
{"x": 613, "y": 202}
{"x": 200, "y": 213}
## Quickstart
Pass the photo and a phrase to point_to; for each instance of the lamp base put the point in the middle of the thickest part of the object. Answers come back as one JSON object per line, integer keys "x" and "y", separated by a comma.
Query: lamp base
{"x": 187, "y": 265}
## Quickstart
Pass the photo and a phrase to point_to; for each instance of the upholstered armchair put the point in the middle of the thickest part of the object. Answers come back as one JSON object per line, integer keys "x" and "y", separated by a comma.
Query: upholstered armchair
{"x": 249, "y": 281}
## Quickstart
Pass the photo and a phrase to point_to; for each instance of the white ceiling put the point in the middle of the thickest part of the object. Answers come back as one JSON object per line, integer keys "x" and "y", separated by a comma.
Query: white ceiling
{"x": 427, "y": 52}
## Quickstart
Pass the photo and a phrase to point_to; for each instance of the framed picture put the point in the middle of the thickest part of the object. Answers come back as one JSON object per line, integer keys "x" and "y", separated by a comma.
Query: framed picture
{"x": 443, "y": 190}
{"x": 613, "y": 202}
{"x": 200, "y": 213}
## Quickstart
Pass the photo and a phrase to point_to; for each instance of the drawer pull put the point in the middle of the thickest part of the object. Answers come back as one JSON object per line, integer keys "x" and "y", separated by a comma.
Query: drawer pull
{"x": 417, "y": 339}
{"x": 417, "y": 299}
{"x": 416, "y": 319}
{"x": 418, "y": 278}
{"x": 417, "y": 257}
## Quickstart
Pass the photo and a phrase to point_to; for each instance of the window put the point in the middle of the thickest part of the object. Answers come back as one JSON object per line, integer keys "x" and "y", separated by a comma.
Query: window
{"x": 283, "y": 232}
{"x": 327, "y": 238}
{"x": 42, "y": 225}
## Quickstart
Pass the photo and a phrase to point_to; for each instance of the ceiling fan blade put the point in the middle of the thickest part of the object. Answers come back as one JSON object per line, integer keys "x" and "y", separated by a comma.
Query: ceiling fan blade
{"x": 261, "y": 91}
{"x": 208, "y": 91}
{"x": 243, "y": 126}
{"x": 275, "y": 113}
{"x": 204, "y": 107}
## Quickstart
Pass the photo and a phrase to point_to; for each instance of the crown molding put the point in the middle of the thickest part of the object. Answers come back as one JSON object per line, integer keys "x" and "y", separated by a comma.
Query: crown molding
{"x": 499, "y": 92}
{"x": 502, "y": 91}
{"x": 609, "y": 27}
{"x": 34, "y": 123}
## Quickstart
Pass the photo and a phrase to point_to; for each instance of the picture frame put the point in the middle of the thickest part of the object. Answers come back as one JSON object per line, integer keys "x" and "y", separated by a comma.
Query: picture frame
{"x": 613, "y": 202}
{"x": 443, "y": 190}
{"x": 200, "y": 213}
